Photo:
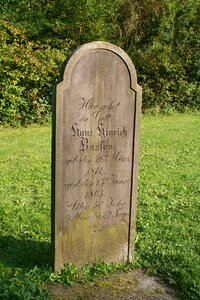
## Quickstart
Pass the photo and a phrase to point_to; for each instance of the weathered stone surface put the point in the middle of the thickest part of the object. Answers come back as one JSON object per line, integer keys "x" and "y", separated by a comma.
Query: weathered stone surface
{"x": 96, "y": 156}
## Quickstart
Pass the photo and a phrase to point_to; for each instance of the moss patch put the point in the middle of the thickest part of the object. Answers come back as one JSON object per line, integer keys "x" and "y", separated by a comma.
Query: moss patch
{"x": 131, "y": 285}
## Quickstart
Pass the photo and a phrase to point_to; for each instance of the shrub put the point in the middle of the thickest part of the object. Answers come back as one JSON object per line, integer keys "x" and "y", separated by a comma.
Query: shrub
{"x": 28, "y": 71}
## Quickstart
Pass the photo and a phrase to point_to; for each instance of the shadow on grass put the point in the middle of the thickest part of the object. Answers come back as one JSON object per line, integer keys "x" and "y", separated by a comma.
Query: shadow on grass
{"x": 24, "y": 253}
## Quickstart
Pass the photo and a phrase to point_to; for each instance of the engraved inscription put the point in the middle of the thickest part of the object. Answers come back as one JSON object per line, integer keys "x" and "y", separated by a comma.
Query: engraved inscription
{"x": 98, "y": 112}
{"x": 98, "y": 144}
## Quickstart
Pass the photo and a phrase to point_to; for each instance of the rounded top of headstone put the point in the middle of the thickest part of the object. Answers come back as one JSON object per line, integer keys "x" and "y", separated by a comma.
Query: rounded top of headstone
{"x": 99, "y": 46}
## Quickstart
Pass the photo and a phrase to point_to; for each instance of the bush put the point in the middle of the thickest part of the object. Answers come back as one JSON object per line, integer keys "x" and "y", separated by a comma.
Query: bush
{"x": 28, "y": 71}
{"x": 161, "y": 37}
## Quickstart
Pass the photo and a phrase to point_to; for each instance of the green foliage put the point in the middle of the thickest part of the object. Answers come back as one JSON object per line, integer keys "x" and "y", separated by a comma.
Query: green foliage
{"x": 35, "y": 39}
{"x": 162, "y": 38}
{"x": 65, "y": 23}
{"x": 23, "y": 286}
{"x": 89, "y": 272}
{"x": 27, "y": 74}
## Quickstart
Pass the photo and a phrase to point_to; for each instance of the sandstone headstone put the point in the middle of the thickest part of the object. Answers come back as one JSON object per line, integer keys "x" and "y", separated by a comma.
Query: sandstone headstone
{"x": 95, "y": 157}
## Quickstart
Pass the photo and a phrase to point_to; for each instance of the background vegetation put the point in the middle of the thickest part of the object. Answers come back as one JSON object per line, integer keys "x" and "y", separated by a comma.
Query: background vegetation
{"x": 168, "y": 231}
{"x": 161, "y": 37}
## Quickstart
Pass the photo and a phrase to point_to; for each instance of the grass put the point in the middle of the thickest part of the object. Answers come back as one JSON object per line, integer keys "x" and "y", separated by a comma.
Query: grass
{"x": 24, "y": 211}
{"x": 168, "y": 226}
{"x": 168, "y": 218}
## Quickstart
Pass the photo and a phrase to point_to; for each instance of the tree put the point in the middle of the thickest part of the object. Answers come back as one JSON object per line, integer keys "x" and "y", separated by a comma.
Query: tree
{"x": 162, "y": 39}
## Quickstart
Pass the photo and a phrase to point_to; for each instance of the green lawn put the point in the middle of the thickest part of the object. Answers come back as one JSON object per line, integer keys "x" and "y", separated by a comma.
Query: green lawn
{"x": 168, "y": 215}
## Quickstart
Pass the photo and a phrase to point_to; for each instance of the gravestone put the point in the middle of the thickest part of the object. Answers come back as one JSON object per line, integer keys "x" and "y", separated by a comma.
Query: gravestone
{"x": 95, "y": 157}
